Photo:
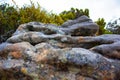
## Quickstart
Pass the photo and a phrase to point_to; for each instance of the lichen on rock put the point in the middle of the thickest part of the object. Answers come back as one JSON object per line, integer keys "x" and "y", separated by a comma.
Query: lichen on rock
{"x": 72, "y": 51}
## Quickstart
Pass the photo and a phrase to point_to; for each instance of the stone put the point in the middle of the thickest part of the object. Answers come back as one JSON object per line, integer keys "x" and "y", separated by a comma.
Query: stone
{"x": 82, "y": 26}
{"x": 38, "y": 27}
{"x": 10, "y": 70}
{"x": 82, "y": 61}
{"x": 38, "y": 51}
{"x": 18, "y": 50}
{"x": 78, "y": 20}
{"x": 109, "y": 50}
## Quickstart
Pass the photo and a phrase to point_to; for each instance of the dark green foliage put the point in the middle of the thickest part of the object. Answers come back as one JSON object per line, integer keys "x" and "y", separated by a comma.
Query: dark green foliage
{"x": 101, "y": 22}
{"x": 8, "y": 18}
{"x": 73, "y": 13}
{"x": 114, "y": 26}
{"x": 8, "y": 21}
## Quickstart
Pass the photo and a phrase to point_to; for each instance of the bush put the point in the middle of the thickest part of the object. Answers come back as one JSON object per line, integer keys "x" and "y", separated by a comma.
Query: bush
{"x": 101, "y": 22}
{"x": 73, "y": 13}
{"x": 8, "y": 18}
{"x": 114, "y": 26}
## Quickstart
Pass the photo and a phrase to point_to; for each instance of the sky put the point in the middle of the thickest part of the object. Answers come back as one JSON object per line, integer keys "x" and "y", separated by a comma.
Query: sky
{"x": 107, "y": 9}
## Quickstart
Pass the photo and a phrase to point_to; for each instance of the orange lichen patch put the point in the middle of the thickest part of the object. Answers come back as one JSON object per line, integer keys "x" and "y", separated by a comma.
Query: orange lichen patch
{"x": 81, "y": 39}
{"x": 61, "y": 45}
{"x": 45, "y": 56}
{"x": 24, "y": 70}
{"x": 13, "y": 50}
{"x": 107, "y": 75}
{"x": 8, "y": 49}
{"x": 115, "y": 54}
{"x": 16, "y": 55}
{"x": 80, "y": 78}
{"x": 42, "y": 56}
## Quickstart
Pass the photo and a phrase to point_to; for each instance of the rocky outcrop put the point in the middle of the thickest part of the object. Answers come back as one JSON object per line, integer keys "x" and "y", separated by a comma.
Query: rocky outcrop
{"x": 83, "y": 26}
{"x": 38, "y": 51}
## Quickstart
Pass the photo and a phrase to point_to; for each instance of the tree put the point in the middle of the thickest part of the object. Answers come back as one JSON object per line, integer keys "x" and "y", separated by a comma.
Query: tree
{"x": 73, "y": 13}
{"x": 101, "y": 22}
{"x": 114, "y": 26}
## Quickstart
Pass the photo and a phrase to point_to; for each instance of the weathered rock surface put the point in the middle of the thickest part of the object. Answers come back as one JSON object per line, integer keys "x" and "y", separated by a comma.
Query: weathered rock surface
{"x": 83, "y": 26}
{"x": 38, "y": 51}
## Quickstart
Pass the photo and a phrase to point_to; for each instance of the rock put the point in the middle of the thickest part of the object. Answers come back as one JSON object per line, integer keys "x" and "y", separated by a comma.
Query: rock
{"x": 82, "y": 26}
{"x": 60, "y": 40}
{"x": 81, "y": 61}
{"x": 38, "y": 27}
{"x": 78, "y": 20}
{"x": 38, "y": 51}
{"x": 32, "y": 37}
{"x": 11, "y": 70}
{"x": 18, "y": 50}
{"x": 109, "y": 50}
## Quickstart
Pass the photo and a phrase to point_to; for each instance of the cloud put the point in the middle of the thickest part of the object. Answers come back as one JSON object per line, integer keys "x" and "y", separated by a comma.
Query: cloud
{"x": 98, "y": 8}
{"x": 105, "y": 8}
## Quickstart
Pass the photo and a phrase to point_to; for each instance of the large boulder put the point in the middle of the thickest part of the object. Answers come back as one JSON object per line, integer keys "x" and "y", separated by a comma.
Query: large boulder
{"x": 44, "y": 60}
{"x": 82, "y": 26}
{"x": 38, "y": 51}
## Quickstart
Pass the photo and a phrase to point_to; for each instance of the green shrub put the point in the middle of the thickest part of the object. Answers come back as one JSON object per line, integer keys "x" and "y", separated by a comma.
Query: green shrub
{"x": 73, "y": 13}
{"x": 101, "y": 22}
{"x": 8, "y": 18}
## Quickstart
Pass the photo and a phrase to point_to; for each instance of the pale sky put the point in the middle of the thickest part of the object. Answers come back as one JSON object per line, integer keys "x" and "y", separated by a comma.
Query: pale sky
{"x": 107, "y": 9}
